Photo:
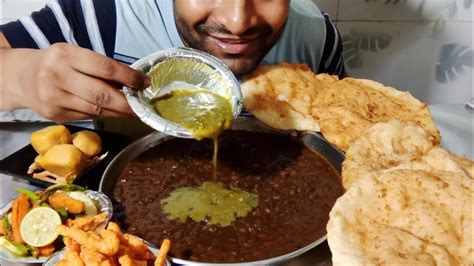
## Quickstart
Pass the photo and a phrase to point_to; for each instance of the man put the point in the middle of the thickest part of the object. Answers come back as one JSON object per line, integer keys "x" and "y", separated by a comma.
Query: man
{"x": 86, "y": 44}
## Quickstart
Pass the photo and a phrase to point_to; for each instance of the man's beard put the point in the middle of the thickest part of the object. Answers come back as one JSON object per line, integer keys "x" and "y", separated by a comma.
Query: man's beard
{"x": 240, "y": 64}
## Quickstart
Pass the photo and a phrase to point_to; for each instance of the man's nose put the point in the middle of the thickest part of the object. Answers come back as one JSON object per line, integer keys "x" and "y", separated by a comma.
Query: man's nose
{"x": 237, "y": 16}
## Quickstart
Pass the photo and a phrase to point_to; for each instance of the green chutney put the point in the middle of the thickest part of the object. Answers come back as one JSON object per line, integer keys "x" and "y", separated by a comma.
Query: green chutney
{"x": 203, "y": 112}
{"x": 210, "y": 201}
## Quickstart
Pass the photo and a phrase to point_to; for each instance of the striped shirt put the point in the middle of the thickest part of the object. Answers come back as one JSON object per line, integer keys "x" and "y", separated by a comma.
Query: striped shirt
{"x": 127, "y": 30}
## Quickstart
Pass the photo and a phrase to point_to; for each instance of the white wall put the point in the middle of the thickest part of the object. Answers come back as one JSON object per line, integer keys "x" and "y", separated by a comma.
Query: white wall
{"x": 423, "y": 46}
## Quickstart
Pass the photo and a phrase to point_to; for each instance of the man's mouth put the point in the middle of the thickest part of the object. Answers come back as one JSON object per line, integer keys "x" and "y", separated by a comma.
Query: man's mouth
{"x": 233, "y": 45}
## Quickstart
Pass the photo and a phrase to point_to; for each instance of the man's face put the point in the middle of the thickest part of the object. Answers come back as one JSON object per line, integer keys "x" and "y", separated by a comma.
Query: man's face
{"x": 240, "y": 32}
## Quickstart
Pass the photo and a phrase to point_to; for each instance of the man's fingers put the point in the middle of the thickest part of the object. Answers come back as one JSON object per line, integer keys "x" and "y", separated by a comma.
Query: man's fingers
{"x": 70, "y": 115}
{"x": 102, "y": 67}
{"x": 75, "y": 103}
{"x": 67, "y": 115}
{"x": 97, "y": 92}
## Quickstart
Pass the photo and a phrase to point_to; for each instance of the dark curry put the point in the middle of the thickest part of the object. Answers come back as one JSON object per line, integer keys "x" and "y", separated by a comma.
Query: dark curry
{"x": 296, "y": 189}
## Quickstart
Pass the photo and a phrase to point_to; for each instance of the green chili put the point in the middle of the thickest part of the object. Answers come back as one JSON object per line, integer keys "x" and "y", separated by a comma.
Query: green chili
{"x": 62, "y": 212}
{"x": 65, "y": 187}
{"x": 30, "y": 194}
{"x": 35, "y": 252}
{"x": 43, "y": 196}
{"x": 44, "y": 204}
{"x": 6, "y": 225}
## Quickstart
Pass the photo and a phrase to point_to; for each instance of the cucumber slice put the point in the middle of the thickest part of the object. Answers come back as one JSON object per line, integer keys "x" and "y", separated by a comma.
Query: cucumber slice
{"x": 6, "y": 245}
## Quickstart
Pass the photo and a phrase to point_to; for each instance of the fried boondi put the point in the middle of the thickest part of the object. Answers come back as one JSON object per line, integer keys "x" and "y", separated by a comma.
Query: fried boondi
{"x": 350, "y": 106}
{"x": 282, "y": 96}
{"x": 404, "y": 217}
{"x": 398, "y": 145}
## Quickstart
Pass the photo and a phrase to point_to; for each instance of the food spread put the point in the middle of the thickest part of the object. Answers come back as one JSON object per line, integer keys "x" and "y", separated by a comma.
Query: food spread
{"x": 407, "y": 201}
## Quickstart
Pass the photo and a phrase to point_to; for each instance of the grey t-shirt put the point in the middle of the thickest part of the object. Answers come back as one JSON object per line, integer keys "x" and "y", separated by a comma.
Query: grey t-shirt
{"x": 127, "y": 30}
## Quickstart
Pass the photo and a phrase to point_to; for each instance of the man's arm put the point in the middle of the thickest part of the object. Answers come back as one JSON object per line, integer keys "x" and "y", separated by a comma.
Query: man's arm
{"x": 332, "y": 61}
{"x": 65, "y": 82}
{"x": 3, "y": 42}
{"x": 61, "y": 82}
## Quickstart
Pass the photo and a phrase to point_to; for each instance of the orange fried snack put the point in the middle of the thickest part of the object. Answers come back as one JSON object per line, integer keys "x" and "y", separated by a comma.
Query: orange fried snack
{"x": 106, "y": 242}
{"x": 87, "y": 223}
{"x": 71, "y": 257}
{"x": 164, "y": 249}
{"x": 46, "y": 251}
{"x": 131, "y": 245}
{"x": 108, "y": 246}
{"x": 61, "y": 200}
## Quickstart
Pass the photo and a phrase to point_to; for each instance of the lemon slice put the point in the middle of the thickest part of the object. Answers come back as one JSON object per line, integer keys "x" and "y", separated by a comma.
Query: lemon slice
{"x": 90, "y": 208}
{"x": 38, "y": 227}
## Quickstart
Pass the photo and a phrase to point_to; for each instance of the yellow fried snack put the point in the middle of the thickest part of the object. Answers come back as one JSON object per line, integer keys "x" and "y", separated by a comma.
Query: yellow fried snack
{"x": 42, "y": 140}
{"x": 64, "y": 160}
{"x": 38, "y": 160}
{"x": 351, "y": 106}
{"x": 63, "y": 157}
{"x": 402, "y": 216}
{"x": 88, "y": 142}
{"x": 282, "y": 95}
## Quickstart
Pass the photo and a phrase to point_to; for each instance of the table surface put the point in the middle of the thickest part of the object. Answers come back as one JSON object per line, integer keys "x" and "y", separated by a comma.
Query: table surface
{"x": 455, "y": 123}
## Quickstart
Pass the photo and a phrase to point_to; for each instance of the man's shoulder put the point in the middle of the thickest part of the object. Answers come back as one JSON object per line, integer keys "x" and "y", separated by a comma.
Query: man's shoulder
{"x": 305, "y": 10}
{"x": 303, "y": 38}
{"x": 144, "y": 27}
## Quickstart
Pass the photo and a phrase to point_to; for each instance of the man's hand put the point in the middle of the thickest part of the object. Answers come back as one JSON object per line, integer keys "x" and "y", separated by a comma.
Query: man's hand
{"x": 66, "y": 82}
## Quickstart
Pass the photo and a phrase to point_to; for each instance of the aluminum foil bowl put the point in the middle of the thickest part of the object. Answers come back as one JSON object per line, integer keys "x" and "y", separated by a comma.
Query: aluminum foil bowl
{"x": 102, "y": 203}
{"x": 177, "y": 68}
